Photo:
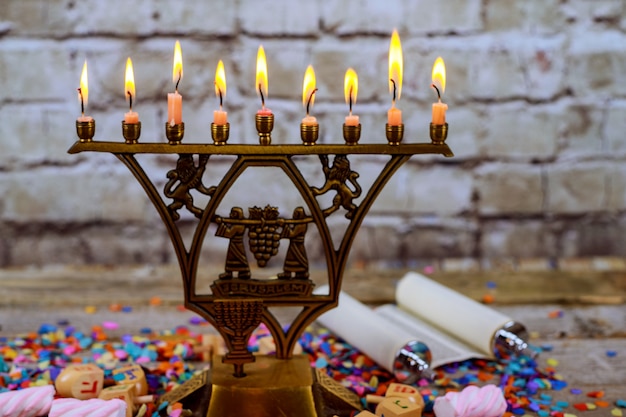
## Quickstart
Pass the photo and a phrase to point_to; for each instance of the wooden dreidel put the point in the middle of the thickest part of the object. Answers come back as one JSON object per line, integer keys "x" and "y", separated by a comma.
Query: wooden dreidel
{"x": 405, "y": 391}
{"x": 125, "y": 393}
{"x": 398, "y": 407}
{"x": 81, "y": 381}
{"x": 132, "y": 374}
{"x": 365, "y": 413}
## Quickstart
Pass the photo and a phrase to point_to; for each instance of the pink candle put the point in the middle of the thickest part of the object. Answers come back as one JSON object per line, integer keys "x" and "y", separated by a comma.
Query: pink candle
{"x": 309, "y": 121}
{"x": 352, "y": 120}
{"x": 129, "y": 91}
{"x": 220, "y": 117}
{"x": 439, "y": 113}
{"x": 394, "y": 116}
{"x": 264, "y": 111}
{"x": 131, "y": 117}
{"x": 174, "y": 108}
{"x": 439, "y": 85}
{"x": 175, "y": 100}
{"x": 83, "y": 95}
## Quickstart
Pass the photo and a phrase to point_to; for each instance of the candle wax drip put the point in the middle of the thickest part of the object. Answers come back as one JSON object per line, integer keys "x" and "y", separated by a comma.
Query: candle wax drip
{"x": 82, "y": 103}
{"x": 180, "y": 75}
{"x": 262, "y": 98}
{"x": 130, "y": 100}
{"x": 394, "y": 91}
{"x": 437, "y": 90}
{"x": 308, "y": 102}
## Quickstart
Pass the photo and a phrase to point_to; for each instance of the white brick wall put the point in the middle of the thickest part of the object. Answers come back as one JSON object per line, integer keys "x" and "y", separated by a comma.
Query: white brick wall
{"x": 536, "y": 89}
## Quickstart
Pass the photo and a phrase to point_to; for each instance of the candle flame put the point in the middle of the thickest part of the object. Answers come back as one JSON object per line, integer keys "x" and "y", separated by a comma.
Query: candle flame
{"x": 395, "y": 64}
{"x": 261, "y": 72}
{"x": 220, "y": 80}
{"x": 129, "y": 81}
{"x": 83, "y": 93}
{"x": 308, "y": 88}
{"x": 350, "y": 87}
{"x": 439, "y": 74}
{"x": 177, "y": 68}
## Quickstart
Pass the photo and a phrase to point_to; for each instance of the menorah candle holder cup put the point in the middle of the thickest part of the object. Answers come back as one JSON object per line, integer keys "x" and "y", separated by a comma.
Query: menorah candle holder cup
{"x": 438, "y": 133}
{"x": 394, "y": 133}
{"x": 351, "y": 134}
{"x": 85, "y": 130}
{"x": 309, "y": 133}
{"x": 174, "y": 133}
{"x": 219, "y": 133}
{"x": 264, "y": 126}
{"x": 131, "y": 132}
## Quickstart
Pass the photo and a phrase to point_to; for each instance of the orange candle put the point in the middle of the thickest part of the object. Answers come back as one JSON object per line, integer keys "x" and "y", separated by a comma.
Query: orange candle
{"x": 261, "y": 81}
{"x": 308, "y": 95}
{"x": 83, "y": 95}
{"x": 131, "y": 117}
{"x": 220, "y": 117}
{"x": 175, "y": 100}
{"x": 350, "y": 89}
{"x": 439, "y": 84}
{"x": 394, "y": 115}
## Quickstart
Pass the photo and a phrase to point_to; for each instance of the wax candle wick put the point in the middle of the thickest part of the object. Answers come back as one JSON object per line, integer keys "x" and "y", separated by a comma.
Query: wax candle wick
{"x": 393, "y": 100}
{"x": 350, "y": 101}
{"x": 130, "y": 100}
{"x": 220, "y": 94}
{"x": 82, "y": 103}
{"x": 180, "y": 75}
{"x": 308, "y": 102}
{"x": 437, "y": 90}
{"x": 262, "y": 98}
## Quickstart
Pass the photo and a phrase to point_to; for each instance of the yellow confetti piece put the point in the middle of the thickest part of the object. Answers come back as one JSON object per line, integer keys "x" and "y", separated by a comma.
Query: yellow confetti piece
{"x": 569, "y": 415}
{"x": 90, "y": 309}
{"x": 616, "y": 412}
{"x": 591, "y": 406}
{"x": 552, "y": 362}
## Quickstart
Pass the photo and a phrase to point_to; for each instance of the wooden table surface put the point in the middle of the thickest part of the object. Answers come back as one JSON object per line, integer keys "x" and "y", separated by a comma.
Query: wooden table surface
{"x": 580, "y": 311}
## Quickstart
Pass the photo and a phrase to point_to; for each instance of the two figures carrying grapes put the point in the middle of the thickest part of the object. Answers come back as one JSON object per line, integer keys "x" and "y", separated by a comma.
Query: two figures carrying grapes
{"x": 264, "y": 238}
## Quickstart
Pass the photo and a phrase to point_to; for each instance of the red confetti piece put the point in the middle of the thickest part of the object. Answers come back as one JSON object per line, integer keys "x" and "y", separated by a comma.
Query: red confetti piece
{"x": 595, "y": 394}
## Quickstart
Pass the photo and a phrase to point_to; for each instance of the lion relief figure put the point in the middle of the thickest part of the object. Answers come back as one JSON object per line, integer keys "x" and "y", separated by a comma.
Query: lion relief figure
{"x": 338, "y": 177}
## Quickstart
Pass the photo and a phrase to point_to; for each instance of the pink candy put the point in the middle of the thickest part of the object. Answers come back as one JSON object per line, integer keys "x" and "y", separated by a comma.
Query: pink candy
{"x": 487, "y": 401}
{"x": 71, "y": 407}
{"x": 28, "y": 402}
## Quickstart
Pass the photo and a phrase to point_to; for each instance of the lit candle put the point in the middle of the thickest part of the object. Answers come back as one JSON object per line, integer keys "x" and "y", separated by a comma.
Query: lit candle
{"x": 394, "y": 115}
{"x": 350, "y": 89}
{"x": 220, "y": 117}
{"x": 261, "y": 80}
{"x": 83, "y": 95}
{"x": 131, "y": 117}
{"x": 308, "y": 95}
{"x": 439, "y": 84}
{"x": 175, "y": 100}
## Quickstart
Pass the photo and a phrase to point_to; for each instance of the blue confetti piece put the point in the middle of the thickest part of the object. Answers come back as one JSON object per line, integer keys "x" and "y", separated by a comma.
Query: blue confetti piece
{"x": 621, "y": 403}
{"x": 491, "y": 284}
{"x": 576, "y": 391}
{"x": 611, "y": 353}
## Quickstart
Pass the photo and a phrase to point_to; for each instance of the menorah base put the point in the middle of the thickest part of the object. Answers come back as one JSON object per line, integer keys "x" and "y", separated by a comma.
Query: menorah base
{"x": 273, "y": 387}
